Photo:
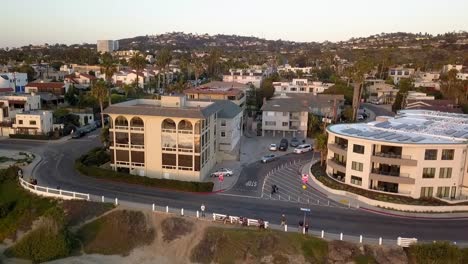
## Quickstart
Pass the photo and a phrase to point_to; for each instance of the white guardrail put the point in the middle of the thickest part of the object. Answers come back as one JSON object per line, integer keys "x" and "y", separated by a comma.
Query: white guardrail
{"x": 50, "y": 192}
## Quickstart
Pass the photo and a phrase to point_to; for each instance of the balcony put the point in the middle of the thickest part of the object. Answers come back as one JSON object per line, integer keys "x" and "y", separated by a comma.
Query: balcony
{"x": 294, "y": 117}
{"x": 391, "y": 176}
{"x": 137, "y": 129}
{"x": 338, "y": 148}
{"x": 393, "y": 159}
{"x": 137, "y": 146}
{"x": 337, "y": 165}
{"x": 121, "y": 127}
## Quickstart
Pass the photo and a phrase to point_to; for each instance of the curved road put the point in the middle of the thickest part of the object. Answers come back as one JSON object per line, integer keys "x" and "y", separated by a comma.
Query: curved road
{"x": 57, "y": 169}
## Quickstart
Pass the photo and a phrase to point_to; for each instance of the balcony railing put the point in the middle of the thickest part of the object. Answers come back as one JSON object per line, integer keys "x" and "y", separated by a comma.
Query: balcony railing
{"x": 392, "y": 155}
{"x": 169, "y": 130}
{"x": 337, "y": 161}
{"x": 390, "y": 173}
{"x": 121, "y": 127}
{"x": 137, "y": 164}
{"x": 337, "y": 165}
{"x": 135, "y": 146}
{"x": 337, "y": 148}
{"x": 121, "y": 145}
{"x": 137, "y": 128}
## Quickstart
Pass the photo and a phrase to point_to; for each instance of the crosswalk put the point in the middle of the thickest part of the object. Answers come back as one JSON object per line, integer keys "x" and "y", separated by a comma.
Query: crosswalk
{"x": 287, "y": 178}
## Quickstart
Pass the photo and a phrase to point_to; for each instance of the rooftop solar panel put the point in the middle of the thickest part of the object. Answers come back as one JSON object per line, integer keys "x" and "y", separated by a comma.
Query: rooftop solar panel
{"x": 404, "y": 138}
{"x": 395, "y": 136}
{"x": 417, "y": 139}
{"x": 384, "y": 134}
{"x": 428, "y": 122}
{"x": 459, "y": 133}
{"x": 449, "y": 132}
{"x": 400, "y": 126}
{"x": 385, "y": 124}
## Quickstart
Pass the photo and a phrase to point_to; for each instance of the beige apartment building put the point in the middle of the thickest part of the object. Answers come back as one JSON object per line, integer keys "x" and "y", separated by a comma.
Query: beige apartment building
{"x": 417, "y": 153}
{"x": 171, "y": 138}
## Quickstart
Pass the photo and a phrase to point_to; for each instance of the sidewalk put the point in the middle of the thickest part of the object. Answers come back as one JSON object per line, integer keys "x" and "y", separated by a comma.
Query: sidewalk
{"x": 352, "y": 202}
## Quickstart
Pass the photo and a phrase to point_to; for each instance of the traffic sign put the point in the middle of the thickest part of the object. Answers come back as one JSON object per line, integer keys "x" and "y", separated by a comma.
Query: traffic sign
{"x": 305, "y": 209}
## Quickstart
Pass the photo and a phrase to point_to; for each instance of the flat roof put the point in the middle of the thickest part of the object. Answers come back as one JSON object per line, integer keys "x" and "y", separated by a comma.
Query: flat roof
{"x": 411, "y": 127}
{"x": 293, "y": 102}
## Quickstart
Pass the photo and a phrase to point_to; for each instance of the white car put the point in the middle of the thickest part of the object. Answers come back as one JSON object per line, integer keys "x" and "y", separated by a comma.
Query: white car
{"x": 222, "y": 171}
{"x": 273, "y": 147}
{"x": 303, "y": 148}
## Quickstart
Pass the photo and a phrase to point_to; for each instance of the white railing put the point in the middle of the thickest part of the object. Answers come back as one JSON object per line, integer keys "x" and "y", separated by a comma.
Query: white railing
{"x": 137, "y": 164}
{"x": 121, "y": 127}
{"x": 237, "y": 220}
{"x": 406, "y": 242}
{"x": 137, "y": 128}
{"x": 133, "y": 146}
{"x": 120, "y": 145}
{"x": 50, "y": 192}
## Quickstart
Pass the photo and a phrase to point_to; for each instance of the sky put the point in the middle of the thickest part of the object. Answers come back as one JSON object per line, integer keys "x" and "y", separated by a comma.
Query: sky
{"x": 69, "y": 22}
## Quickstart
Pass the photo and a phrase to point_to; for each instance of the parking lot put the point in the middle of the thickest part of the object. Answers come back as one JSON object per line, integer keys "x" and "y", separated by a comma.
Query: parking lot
{"x": 287, "y": 177}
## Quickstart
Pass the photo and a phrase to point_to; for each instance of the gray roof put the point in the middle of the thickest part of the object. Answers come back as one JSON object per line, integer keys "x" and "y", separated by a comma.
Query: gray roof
{"x": 157, "y": 110}
{"x": 229, "y": 109}
{"x": 219, "y": 84}
{"x": 300, "y": 102}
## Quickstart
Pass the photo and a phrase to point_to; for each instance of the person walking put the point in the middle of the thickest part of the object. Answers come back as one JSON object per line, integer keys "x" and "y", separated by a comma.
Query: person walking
{"x": 202, "y": 208}
{"x": 306, "y": 227}
{"x": 283, "y": 220}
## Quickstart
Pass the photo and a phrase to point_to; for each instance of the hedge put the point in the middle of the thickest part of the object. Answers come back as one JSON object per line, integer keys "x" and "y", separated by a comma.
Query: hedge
{"x": 86, "y": 166}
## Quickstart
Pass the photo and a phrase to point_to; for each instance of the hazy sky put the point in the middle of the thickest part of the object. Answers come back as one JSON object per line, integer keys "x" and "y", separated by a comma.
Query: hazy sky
{"x": 67, "y": 21}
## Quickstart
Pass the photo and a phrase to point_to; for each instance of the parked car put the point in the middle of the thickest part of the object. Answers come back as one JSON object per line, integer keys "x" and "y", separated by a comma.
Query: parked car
{"x": 268, "y": 158}
{"x": 360, "y": 118}
{"x": 294, "y": 142}
{"x": 222, "y": 171}
{"x": 283, "y": 144}
{"x": 303, "y": 148}
{"x": 273, "y": 147}
{"x": 78, "y": 134}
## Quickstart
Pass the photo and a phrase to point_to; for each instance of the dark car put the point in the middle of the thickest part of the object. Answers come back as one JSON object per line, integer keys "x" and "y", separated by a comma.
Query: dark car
{"x": 283, "y": 145}
{"x": 295, "y": 142}
{"x": 78, "y": 134}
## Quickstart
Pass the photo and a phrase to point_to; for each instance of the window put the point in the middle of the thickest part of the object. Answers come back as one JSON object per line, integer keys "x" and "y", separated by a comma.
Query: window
{"x": 223, "y": 134}
{"x": 443, "y": 192}
{"x": 270, "y": 123}
{"x": 285, "y": 113}
{"x": 20, "y": 122}
{"x": 32, "y": 122}
{"x": 358, "y": 149}
{"x": 357, "y": 166}
{"x": 445, "y": 173}
{"x": 447, "y": 154}
{"x": 223, "y": 123}
{"x": 285, "y": 123}
{"x": 356, "y": 180}
{"x": 431, "y": 154}
{"x": 426, "y": 191}
{"x": 428, "y": 173}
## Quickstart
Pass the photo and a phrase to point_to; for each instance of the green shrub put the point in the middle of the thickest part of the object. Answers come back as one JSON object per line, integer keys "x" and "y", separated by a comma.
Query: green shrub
{"x": 95, "y": 157}
{"x": 439, "y": 252}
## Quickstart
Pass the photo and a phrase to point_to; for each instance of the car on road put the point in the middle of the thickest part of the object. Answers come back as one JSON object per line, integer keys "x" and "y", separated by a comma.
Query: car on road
{"x": 268, "y": 158}
{"x": 283, "y": 144}
{"x": 78, "y": 134}
{"x": 294, "y": 142}
{"x": 273, "y": 147}
{"x": 360, "y": 117}
{"x": 222, "y": 171}
{"x": 303, "y": 148}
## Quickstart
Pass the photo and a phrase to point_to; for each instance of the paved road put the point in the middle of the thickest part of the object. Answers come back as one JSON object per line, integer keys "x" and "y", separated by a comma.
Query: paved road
{"x": 57, "y": 169}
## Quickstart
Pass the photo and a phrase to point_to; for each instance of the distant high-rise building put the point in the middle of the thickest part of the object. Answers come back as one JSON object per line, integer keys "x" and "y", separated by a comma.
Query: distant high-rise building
{"x": 107, "y": 45}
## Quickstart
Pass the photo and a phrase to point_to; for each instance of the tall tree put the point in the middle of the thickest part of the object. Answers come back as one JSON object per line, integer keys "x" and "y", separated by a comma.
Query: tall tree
{"x": 321, "y": 145}
{"x": 359, "y": 69}
{"x": 108, "y": 67}
{"x": 100, "y": 92}
{"x": 138, "y": 63}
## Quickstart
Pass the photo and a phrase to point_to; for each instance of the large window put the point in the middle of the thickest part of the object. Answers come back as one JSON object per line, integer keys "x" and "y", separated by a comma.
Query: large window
{"x": 428, "y": 173}
{"x": 356, "y": 180}
{"x": 443, "y": 192}
{"x": 270, "y": 123}
{"x": 32, "y": 122}
{"x": 357, "y": 166}
{"x": 431, "y": 154}
{"x": 358, "y": 149}
{"x": 447, "y": 154}
{"x": 223, "y": 122}
{"x": 426, "y": 191}
{"x": 285, "y": 124}
{"x": 445, "y": 173}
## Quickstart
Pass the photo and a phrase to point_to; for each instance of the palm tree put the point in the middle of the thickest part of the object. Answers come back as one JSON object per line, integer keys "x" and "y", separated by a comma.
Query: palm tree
{"x": 198, "y": 69}
{"x": 138, "y": 63}
{"x": 129, "y": 89}
{"x": 359, "y": 69}
{"x": 100, "y": 92}
{"x": 163, "y": 60}
{"x": 108, "y": 67}
{"x": 321, "y": 145}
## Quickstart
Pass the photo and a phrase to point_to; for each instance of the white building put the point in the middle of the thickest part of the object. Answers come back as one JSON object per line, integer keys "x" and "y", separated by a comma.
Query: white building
{"x": 418, "y": 153}
{"x": 11, "y": 105}
{"x": 85, "y": 118}
{"x": 107, "y": 45}
{"x": 129, "y": 77}
{"x": 80, "y": 80}
{"x": 37, "y": 122}
{"x": 254, "y": 77}
{"x": 301, "y": 86}
{"x": 296, "y": 70}
{"x": 448, "y": 67}
{"x": 381, "y": 92}
{"x": 13, "y": 82}
{"x": 412, "y": 95}
{"x": 400, "y": 73}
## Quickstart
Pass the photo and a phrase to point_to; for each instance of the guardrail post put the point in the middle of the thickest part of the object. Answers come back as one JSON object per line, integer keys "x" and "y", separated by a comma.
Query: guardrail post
{"x": 182, "y": 212}
{"x": 279, "y": 197}
{"x": 285, "y": 228}
{"x": 167, "y": 209}
{"x": 303, "y": 230}
{"x": 116, "y": 200}
{"x": 88, "y": 198}
{"x": 360, "y": 239}
{"x": 74, "y": 195}
{"x": 60, "y": 192}
{"x": 328, "y": 202}
{"x": 349, "y": 204}
{"x": 323, "y": 234}
{"x": 214, "y": 217}
{"x": 47, "y": 189}
{"x": 198, "y": 214}
{"x": 102, "y": 198}
{"x": 380, "y": 241}
{"x": 153, "y": 207}
{"x": 341, "y": 236}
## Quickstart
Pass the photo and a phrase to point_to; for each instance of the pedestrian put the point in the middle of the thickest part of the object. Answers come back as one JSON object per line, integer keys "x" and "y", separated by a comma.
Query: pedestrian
{"x": 202, "y": 208}
{"x": 301, "y": 224}
{"x": 283, "y": 220}
{"x": 306, "y": 227}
